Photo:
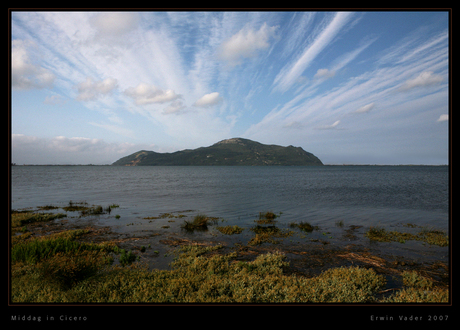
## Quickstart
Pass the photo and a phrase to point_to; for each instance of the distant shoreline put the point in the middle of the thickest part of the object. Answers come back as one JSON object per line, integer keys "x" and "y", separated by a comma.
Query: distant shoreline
{"x": 230, "y": 165}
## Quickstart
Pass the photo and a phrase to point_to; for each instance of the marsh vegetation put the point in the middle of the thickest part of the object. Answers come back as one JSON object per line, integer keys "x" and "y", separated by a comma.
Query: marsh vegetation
{"x": 426, "y": 235}
{"x": 200, "y": 223}
{"x": 78, "y": 265}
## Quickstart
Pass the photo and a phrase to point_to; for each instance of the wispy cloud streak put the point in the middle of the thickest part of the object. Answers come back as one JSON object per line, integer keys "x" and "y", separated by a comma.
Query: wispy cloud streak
{"x": 291, "y": 72}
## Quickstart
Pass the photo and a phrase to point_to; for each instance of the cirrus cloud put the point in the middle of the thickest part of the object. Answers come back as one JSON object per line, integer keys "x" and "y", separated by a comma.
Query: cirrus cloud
{"x": 114, "y": 24}
{"x": 332, "y": 126}
{"x": 365, "y": 108}
{"x": 292, "y": 71}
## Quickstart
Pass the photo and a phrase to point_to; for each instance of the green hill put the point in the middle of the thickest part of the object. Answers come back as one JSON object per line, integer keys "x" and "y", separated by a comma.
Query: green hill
{"x": 236, "y": 151}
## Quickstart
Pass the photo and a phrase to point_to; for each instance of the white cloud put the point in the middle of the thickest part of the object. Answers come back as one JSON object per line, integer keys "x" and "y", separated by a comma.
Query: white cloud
{"x": 192, "y": 53}
{"x": 246, "y": 43}
{"x": 175, "y": 107}
{"x": 324, "y": 73}
{"x": 424, "y": 79}
{"x": 90, "y": 90}
{"x": 365, "y": 108}
{"x": 65, "y": 150}
{"x": 115, "y": 129}
{"x": 55, "y": 100}
{"x": 25, "y": 74}
{"x": 310, "y": 107}
{"x": 444, "y": 117}
{"x": 208, "y": 100}
{"x": 332, "y": 126}
{"x": 292, "y": 71}
{"x": 114, "y": 24}
{"x": 294, "y": 124}
{"x": 146, "y": 94}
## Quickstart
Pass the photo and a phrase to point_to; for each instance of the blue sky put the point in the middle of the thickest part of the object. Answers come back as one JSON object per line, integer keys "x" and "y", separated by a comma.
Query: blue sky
{"x": 350, "y": 87}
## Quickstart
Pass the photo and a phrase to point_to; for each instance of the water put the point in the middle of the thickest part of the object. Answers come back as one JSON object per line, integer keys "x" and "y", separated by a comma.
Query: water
{"x": 356, "y": 195}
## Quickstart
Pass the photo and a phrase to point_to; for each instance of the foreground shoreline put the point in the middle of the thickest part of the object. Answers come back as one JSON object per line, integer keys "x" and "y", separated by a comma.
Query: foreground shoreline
{"x": 192, "y": 266}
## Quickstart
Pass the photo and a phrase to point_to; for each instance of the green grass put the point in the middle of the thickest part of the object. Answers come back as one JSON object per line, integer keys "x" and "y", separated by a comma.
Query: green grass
{"x": 198, "y": 275}
{"x": 35, "y": 250}
{"x": 126, "y": 258}
{"x": 59, "y": 259}
{"x": 24, "y": 218}
{"x": 66, "y": 269}
{"x": 59, "y": 268}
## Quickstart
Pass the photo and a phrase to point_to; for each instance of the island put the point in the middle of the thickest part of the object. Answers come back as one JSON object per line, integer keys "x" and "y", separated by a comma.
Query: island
{"x": 230, "y": 152}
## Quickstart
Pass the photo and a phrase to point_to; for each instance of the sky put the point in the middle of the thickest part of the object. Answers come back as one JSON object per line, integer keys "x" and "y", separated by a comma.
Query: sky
{"x": 349, "y": 87}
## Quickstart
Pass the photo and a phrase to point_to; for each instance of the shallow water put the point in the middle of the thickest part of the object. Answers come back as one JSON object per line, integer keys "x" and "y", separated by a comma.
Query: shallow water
{"x": 361, "y": 195}
{"x": 333, "y": 198}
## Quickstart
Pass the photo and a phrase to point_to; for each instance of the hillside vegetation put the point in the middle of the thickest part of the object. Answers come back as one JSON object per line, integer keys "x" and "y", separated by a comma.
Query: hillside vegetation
{"x": 236, "y": 151}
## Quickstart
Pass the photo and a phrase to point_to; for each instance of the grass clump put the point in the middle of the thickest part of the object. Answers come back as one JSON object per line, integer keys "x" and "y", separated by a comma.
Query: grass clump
{"x": 430, "y": 236}
{"x": 24, "y": 218}
{"x": 416, "y": 295}
{"x": 47, "y": 207}
{"x": 200, "y": 222}
{"x": 267, "y": 234}
{"x": 230, "y": 230}
{"x": 67, "y": 269}
{"x": 57, "y": 261}
{"x": 76, "y": 206}
{"x": 433, "y": 237}
{"x": 378, "y": 234}
{"x": 304, "y": 226}
{"x": 266, "y": 218}
{"x": 413, "y": 279}
{"x": 126, "y": 258}
{"x": 167, "y": 215}
{"x": 35, "y": 250}
{"x": 94, "y": 210}
{"x": 418, "y": 289}
{"x": 86, "y": 210}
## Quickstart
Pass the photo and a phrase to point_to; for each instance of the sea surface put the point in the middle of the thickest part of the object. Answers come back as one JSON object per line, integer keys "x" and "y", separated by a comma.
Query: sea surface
{"x": 321, "y": 195}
